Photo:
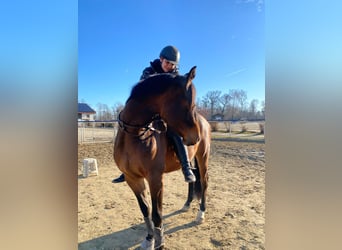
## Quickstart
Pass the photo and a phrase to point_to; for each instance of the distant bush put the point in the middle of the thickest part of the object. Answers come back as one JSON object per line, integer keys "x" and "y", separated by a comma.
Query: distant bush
{"x": 214, "y": 126}
{"x": 262, "y": 128}
{"x": 243, "y": 128}
{"x": 227, "y": 126}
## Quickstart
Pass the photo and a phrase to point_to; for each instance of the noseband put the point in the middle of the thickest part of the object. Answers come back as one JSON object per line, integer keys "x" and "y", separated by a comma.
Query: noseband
{"x": 149, "y": 126}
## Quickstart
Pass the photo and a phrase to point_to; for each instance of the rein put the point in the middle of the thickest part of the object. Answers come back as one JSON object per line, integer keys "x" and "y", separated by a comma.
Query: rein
{"x": 147, "y": 127}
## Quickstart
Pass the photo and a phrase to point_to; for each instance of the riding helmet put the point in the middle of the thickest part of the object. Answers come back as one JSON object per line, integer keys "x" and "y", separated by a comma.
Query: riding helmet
{"x": 170, "y": 53}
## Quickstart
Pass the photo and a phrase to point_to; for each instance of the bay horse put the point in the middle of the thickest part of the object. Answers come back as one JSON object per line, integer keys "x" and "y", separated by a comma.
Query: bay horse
{"x": 143, "y": 151}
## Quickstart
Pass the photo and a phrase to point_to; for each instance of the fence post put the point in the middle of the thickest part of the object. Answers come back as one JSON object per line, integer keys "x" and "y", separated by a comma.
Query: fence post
{"x": 114, "y": 132}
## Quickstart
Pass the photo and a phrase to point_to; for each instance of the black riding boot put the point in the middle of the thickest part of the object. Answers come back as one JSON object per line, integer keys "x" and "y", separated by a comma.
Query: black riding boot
{"x": 182, "y": 154}
{"x": 121, "y": 178}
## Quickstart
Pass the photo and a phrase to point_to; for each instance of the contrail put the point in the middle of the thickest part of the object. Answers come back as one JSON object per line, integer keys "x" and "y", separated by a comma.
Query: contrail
{"x": 236, "y": 72}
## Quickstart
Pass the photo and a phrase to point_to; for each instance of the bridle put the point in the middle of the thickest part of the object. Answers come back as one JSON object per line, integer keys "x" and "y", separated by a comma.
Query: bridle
{"x": 149, "y": 126}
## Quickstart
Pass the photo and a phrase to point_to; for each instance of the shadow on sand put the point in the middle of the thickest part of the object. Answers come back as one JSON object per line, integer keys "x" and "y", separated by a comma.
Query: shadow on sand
{"x": 130, "y": 238}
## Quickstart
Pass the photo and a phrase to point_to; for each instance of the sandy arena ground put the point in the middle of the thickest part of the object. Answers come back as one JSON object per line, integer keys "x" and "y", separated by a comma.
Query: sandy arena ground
{"x": 109, "y": 217}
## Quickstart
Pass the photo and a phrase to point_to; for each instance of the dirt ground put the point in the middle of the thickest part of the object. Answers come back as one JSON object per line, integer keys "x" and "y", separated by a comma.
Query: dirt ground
{"x": 109, "y": 216}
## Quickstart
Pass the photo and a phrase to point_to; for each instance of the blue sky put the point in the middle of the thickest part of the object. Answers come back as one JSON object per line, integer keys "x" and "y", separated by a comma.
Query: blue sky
{"x": 118, "y": 39}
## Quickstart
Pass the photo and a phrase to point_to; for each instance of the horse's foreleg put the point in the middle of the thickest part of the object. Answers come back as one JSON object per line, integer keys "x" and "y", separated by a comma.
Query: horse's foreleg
{"x": 202, "y": 166}
{"x": 156, "y": 190}
{"x": 139, "y": 189}
{"x": 201, "y": 213}
{"x": 203, "y": 204}
{"x": 149, "y": 241}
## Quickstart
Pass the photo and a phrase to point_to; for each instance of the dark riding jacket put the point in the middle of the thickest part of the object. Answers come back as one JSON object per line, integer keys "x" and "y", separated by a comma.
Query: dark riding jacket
{"x": 155, "y": 68}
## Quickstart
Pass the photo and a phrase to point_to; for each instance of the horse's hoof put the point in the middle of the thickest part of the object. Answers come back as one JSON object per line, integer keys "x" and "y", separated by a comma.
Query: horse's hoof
{"x": 159, "y": 237}
{"x": 200, "y": 217}
{"x": 160, "y": 247}
{"x": 147, "y": 244}
{"x": 185, "y": 208}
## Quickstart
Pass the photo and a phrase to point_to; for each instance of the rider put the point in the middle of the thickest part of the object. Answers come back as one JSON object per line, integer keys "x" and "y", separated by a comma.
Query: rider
{"x": 167, "y": 63}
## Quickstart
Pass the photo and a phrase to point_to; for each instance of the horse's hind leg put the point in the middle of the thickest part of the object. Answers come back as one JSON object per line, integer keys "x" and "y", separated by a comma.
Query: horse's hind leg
{"x": 194, "y": 188}
{"x": 139, "y": 188}
{"x": 186, "y": 206}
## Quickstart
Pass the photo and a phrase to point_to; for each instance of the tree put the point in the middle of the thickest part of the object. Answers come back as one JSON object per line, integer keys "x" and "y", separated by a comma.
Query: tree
{"x": 212, "y": 98}
{"x": 238, "y": 102}
{"x": 224, "y": 101}
{"x": 116, "y": 109}
{"x": 234, "y": 99}
{"x": 201, "y": 107}
{"x": 242, "y": 100}
{"x": 103, "y": 112}
{"x": 253, "y": 109}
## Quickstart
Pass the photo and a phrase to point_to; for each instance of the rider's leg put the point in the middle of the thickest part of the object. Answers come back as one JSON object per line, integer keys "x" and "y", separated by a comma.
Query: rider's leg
{"x": 121, "y": 178}
{"x": 182, "y": 154}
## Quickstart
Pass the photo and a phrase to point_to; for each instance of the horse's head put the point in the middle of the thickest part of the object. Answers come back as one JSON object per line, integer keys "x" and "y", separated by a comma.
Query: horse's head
{"x": 179, "y": 109}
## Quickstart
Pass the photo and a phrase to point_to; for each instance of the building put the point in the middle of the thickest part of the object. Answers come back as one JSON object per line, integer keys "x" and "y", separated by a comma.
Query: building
{"x": 217, "y": 117}
{"x": 85, "y": 112}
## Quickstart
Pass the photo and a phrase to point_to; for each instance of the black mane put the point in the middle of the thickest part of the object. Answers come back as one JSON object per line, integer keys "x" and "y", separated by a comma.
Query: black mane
{"x": 155, "y": 85}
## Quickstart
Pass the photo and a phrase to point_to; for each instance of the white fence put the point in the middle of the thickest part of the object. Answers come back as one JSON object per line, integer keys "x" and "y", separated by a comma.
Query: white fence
{"x": 90, "y": 132}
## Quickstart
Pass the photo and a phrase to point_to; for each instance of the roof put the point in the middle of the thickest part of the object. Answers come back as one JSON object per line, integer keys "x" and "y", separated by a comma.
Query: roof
{"x": 85, "y": 108}
{"x": 218, "y": 115}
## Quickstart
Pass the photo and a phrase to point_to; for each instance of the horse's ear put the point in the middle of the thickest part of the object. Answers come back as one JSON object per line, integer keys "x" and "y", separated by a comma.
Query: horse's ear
{"x": 192, "y": 73}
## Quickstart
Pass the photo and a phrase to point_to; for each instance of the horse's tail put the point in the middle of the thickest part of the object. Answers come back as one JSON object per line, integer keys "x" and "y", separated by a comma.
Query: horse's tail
{"x": 198, "y": 186}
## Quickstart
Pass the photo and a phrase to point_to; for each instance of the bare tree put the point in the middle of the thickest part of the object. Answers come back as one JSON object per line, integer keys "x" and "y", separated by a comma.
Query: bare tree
{"x": 224, "y": 101}
{"x": 103, "y": 112}
{"x": 253, "y": 109}
{"x": 99, "y": 111}
{"x": 238, "y": 102}
{"x": 234, "y": 99}
{"x": 242, "y": 100}
{"x": 116, "y": 109}
{"x": 263, "y": 108}
{"x": 201, "y": 107}
{"x": 212, "y": 98}
{"x": 107, "y": 114}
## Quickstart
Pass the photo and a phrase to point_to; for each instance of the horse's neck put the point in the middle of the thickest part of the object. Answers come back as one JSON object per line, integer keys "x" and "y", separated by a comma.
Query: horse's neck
{"x": 138, "y": 113}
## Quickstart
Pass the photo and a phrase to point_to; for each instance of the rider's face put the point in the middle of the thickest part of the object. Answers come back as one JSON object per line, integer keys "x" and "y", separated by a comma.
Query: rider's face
{"x": 166, "y": 65}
